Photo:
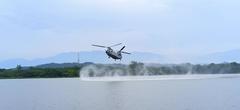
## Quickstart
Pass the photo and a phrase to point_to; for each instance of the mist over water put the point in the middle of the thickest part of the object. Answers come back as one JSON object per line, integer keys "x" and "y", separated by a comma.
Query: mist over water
{"x": 143, "y": 72}
{"x": 141, "y": 69}
{"x": 113, "y": 70}
{"x": 101, "y": 71}
{"x": 137, "y": 69}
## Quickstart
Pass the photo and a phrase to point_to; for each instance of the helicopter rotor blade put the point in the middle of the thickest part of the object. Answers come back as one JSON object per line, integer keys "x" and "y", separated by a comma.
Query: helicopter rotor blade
{"x": 122, "y": 48}
{"x": 126, "y": 52}
{"x": 115, "y": 45}
{"x": 99, "y": 46}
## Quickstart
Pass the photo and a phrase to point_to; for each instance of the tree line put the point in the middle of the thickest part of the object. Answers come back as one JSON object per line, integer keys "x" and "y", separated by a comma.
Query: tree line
{"x": 34, "y": 72}
{"x": 133, "y": 69}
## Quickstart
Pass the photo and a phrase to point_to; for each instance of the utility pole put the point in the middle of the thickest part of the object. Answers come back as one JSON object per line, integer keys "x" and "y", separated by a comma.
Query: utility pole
{"x": 78, "y": 60}
{"x": 78, "y": 64}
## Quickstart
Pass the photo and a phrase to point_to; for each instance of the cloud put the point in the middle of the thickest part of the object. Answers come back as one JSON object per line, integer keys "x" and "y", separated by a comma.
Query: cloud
{"x": 169, "y": 27}
{"x": 116, "y": 7}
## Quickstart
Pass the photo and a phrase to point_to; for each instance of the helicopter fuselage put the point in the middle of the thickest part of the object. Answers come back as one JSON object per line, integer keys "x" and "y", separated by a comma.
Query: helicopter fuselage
{"x": 116, "y": 55}
{"x": 112, "y": 54}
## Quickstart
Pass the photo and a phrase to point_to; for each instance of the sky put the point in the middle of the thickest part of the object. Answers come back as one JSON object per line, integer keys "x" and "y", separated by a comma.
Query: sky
{"x": 175, "y": 28}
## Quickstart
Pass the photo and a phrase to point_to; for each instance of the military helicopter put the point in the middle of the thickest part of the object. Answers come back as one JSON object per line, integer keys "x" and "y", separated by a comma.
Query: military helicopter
{"x": 116, "y": 55}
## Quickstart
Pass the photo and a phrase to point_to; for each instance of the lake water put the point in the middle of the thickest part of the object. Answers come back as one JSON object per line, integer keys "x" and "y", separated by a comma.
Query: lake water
{"x": 202, "y": 92}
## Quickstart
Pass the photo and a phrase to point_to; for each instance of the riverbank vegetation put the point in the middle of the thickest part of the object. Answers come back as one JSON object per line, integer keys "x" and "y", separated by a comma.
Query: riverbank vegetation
{"x": 134, "y": 68}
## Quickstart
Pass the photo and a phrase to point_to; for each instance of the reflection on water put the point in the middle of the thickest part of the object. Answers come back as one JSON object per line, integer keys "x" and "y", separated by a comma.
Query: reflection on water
{"x": 115, "y": 96}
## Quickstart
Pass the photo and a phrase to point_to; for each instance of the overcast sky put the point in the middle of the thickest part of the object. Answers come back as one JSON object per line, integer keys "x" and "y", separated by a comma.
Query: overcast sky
{"x": 177, "y": 28}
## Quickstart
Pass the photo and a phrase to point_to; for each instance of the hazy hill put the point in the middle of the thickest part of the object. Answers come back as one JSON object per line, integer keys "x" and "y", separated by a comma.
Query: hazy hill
{"x": 220, "y": 57}
{"x": 90, "y": 56}
{"x": 101, "y": 57}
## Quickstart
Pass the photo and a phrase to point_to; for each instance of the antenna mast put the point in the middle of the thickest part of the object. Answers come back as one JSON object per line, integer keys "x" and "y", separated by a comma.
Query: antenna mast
{"x": 78, "y": 61}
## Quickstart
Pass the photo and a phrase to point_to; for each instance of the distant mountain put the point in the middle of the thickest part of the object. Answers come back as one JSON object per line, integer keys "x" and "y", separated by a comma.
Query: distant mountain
{"x": 88, "y": 56}
{"x": 101, "y": 57}
{"x": 63, "y": 65}
{"x": 220, "y": 57}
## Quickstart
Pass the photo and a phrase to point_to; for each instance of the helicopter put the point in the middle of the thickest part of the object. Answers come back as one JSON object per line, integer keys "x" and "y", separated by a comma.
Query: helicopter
{"x": 116, "y": 55}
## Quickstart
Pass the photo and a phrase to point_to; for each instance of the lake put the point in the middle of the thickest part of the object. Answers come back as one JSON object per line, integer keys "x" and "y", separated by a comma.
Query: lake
{"x": 184, "y": 92}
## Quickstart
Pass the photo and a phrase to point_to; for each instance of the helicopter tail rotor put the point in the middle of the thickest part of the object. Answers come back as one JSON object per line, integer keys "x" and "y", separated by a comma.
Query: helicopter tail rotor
{"x": 124, "y": 51}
